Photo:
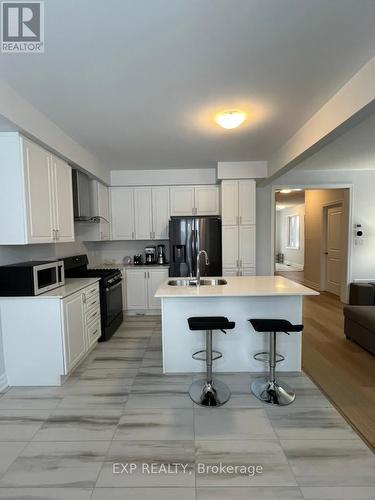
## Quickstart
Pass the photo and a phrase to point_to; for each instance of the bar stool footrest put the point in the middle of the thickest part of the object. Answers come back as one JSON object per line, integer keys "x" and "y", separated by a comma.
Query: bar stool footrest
{"x": 265, "y": 357}
{"x": 201, "y": 355}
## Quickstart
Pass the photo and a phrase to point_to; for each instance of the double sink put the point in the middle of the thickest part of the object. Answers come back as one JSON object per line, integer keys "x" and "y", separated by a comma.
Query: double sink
{"x": 193, "y": 282}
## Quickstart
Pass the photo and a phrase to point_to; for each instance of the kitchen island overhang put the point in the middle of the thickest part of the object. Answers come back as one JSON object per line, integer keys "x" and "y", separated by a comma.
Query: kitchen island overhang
{"x": 241, "y": 299}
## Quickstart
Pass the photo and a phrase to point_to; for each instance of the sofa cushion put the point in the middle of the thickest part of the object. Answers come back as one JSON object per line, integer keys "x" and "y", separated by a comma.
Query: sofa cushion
{"x": 364, "y": 315}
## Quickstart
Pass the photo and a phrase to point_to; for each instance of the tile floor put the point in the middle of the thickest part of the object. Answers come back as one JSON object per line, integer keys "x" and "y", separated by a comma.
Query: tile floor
{"x": 118, "y": 407}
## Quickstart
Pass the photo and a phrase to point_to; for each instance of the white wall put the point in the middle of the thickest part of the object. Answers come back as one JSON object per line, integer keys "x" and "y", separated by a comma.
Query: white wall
{"x": 163, "y": 177}
{"x": 292, "y": 256}
{"x": 355, "y": 149}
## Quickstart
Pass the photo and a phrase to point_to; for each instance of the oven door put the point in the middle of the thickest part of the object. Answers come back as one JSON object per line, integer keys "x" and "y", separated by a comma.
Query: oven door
{"x": 113, "y": 302}
{"x": 45, "y": 277}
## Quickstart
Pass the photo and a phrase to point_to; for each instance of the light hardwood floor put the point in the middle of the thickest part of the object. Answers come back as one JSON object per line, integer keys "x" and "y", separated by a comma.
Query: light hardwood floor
{"x": 342, "y": 369}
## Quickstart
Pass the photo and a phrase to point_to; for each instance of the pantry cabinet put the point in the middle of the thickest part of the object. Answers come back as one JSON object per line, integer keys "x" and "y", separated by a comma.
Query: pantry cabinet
{"x": 238, "y": 227}
{"x": 194, "y": 200}
{"x": 35, "y": 194}
{"x": 141, "y": 285}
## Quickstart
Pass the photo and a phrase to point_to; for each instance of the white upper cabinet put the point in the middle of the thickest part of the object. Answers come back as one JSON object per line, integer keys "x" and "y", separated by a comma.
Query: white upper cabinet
{"x": 35, "y": 193}
{"x": 63, "y": 206}
{"x": 122, "y": 213}
{"x": 182, "y": 200}
{"x": 39, "y": 190}
{"x": 247, "y": 246}
{"x": 207, "y": 200}
{"x": 194, "y": 200}
{"x": 229, "y": 203}
{"x": 143, "y": 213}
{"x": 160, "y": 213}
{"x": 238, "y": 202}
{"x": 246, "y": 202}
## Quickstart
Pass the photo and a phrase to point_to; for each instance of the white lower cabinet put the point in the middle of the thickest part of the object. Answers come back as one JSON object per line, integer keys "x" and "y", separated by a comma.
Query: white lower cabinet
{"x": 238, "y": 250}
{"x": 46, "y": 337}
{"x": 141, "y": 285}
{"x": 81, "y": 312}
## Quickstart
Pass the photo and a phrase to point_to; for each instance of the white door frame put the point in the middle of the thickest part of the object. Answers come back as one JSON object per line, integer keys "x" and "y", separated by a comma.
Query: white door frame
{"x": 345, "y": 295}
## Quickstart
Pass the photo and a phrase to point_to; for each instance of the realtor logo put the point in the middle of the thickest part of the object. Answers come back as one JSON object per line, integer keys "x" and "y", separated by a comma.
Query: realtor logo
{"x": 22, "y": 27}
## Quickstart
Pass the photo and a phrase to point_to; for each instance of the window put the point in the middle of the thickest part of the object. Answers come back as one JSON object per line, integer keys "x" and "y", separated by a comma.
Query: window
{"x": 293, "y": 232}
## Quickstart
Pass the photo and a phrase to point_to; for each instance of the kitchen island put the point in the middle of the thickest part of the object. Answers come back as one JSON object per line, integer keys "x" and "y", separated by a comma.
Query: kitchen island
{"x": 240, "y": 299}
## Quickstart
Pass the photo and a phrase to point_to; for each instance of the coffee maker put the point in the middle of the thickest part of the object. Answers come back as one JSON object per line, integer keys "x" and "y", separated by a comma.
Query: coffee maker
{"x": 161, "y": 255}
{"x": 150, "y": 255}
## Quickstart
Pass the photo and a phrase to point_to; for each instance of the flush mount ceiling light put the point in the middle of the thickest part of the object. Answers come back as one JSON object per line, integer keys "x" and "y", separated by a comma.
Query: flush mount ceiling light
{"x": 231, "y": 118}
{"x": 285, "y": 191}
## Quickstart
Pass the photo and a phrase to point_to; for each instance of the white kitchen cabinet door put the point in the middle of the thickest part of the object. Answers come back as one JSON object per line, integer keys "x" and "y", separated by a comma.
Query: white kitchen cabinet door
{"x": 229, "y": 203}
{"x": 143, "y": 213}
{"x": 122, "y": 213}
{"x": 246, "y": 202}
{"x": 182, "y": 200}
{"x": 137, "y": 289}
{"x": 230, "y": 272}
{"x": 247, "y": 246}
{"x": 39, "y": 193}
{"x": 155, "y": 278}
{"x": 207, "y": 200}
{"x": 230, "y": 246}
{"x": 160, "y": 213}
{"x": 74, "y": 329}
{"x": 63, "y": 200}
{"x": 248, "y": 271}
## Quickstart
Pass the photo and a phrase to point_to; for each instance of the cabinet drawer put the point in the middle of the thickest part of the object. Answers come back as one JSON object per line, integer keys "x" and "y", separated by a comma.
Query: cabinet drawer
{"x": 93, "y": 332}
{"x": 92, "y": 315}
{"x": 92, "y": 302}
{"x": 91, "y": 290}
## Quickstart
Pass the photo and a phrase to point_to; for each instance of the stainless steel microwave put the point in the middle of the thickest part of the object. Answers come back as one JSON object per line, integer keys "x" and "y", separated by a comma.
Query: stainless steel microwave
{"x": 31, "y": 278}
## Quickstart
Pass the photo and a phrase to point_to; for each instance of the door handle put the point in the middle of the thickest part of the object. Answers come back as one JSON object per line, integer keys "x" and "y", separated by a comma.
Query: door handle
{"x": 325, "y": 253}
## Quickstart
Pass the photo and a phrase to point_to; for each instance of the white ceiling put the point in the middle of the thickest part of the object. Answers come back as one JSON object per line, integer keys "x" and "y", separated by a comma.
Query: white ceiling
{"x": 137, "y": 82}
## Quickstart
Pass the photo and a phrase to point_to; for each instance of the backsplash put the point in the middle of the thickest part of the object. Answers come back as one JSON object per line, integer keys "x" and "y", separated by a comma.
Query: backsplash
{"x": 19, "y": 253}
{"x": 114, "y": 251}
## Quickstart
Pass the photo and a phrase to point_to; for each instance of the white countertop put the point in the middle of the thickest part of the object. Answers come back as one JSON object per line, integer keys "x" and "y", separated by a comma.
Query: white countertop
{"x": 72, "y": 285}
{"x": 238, "y": 286}
{"x": 130, "y": 266}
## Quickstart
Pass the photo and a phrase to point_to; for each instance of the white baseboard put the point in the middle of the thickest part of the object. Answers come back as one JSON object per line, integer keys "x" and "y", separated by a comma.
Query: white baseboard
{"x": 3, "y": 382}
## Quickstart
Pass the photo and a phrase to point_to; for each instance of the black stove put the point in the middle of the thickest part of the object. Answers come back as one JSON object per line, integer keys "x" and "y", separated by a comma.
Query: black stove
{"x": 110, "y": 288}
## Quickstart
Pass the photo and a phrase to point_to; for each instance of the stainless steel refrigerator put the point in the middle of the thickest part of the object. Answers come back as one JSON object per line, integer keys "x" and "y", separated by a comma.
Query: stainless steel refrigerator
{"x": 189, "y": 235}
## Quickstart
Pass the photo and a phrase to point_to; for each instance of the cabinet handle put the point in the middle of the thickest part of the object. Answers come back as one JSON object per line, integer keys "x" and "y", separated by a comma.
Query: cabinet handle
{"x": 240, "y": 262}
{"x": 132, "y": 235}
{"x": 84, "y": 298}
{"x": 145, "y": 273}
{"x": 237, "y": 263}
{"x": 93, "y": 302}
{"x": 93, "y": 315}
{"x": 101, "y": 235}
{"x": 94, "y": 333}
{"x": 57, "y": 234}
{"x": 148, "y": 274}
{"x": 240, "y": 219}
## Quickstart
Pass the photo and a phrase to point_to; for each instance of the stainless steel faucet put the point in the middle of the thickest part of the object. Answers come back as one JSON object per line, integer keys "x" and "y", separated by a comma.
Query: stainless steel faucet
{"x": 198, "y": 271}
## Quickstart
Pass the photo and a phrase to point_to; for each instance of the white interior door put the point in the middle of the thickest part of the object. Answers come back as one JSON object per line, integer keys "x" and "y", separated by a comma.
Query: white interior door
{"x": 142, "y": 213}
{"x": 334, "y": 250}
{"x": 122, "y": 213}
{"x": 230, "y": 246}
{"x": 64, "y": 217}
{"x": 160, "y": 213}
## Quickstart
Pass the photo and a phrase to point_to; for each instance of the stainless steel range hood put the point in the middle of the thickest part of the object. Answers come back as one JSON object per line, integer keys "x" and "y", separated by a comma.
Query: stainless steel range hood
{"x": 81, "y": 198}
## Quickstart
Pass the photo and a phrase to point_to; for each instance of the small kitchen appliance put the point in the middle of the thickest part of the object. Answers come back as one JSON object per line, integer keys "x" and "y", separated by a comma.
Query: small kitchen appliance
{"x": 150, "y": 255}
{"x": 137, "y": 260}
{"x": 161, "y": 255}
{"x": 30, "y": 278}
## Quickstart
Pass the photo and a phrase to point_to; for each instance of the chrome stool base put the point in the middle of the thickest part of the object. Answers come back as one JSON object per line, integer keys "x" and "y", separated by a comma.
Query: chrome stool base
{"x": 203, "y": 393}
{"x": 276, "y": 392}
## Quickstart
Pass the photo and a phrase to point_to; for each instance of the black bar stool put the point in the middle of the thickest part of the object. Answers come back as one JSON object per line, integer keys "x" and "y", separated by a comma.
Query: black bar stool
{"x": 269, "y": 389}
{"x": 208, "y": 392}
